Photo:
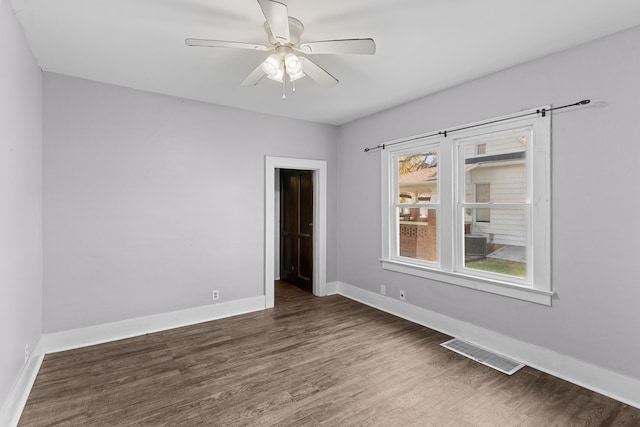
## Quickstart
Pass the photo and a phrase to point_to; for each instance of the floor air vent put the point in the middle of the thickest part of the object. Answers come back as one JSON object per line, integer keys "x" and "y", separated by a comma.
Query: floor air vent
{"x": 483, "y": 356}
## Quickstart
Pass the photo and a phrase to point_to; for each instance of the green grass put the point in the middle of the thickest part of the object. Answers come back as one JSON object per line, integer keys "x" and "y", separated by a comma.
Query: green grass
{"x": 511, "y": 268}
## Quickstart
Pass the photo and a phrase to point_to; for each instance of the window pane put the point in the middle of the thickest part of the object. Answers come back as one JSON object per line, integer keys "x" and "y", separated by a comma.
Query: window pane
{"x": 502, "y": 169}
{"x": 483, "y": 195}
{"x": 499, "y": 246}
{"x": 418, "y": 177}
{"x": 417, "y": 233}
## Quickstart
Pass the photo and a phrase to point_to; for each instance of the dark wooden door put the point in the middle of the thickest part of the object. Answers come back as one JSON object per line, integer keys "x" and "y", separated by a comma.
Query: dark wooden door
{"x": 296, "y": 228}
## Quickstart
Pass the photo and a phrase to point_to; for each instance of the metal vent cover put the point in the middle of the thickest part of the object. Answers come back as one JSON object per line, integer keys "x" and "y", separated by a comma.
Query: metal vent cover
{"x": 486, "y": 357}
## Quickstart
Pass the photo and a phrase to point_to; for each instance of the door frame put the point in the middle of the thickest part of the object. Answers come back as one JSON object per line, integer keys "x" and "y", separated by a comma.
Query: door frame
{"x": 319, "y": 168}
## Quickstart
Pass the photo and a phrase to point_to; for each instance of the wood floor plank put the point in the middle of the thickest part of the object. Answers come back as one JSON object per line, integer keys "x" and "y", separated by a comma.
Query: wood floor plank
{"x": 307, "y": 362}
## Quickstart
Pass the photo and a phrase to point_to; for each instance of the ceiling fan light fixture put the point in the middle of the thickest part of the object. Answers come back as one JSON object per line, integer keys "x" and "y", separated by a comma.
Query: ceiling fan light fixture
{"x": 278, "y": 76}
{"x": 272, "y": 66}
{"x": 294, "y": 77}
{"x": 293, "y": 64}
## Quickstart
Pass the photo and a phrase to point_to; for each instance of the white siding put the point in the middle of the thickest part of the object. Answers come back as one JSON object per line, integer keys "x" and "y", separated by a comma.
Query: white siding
{"x": 508, "y": 185}
{"x": 496, "y": 147}
{"x": 508, "y": 181}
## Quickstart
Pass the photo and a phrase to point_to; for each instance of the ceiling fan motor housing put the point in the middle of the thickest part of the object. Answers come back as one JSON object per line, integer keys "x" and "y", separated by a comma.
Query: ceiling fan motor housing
{"x": 295, "y": 31}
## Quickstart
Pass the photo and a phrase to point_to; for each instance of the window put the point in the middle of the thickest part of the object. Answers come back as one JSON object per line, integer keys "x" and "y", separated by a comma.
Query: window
{"x": 416, "y": 206}
{"x": 459, "y": 209}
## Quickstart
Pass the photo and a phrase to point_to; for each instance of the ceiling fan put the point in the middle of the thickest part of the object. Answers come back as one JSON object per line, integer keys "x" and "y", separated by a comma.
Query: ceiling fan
{"x": 284, "y": 38}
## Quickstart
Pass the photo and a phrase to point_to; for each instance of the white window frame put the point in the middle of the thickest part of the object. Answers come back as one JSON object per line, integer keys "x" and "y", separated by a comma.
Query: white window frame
{"x": 450, "y": 232}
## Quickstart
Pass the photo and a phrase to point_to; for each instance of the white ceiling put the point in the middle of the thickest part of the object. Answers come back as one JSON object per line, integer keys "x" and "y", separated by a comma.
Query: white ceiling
{"x": 423, "y": 46}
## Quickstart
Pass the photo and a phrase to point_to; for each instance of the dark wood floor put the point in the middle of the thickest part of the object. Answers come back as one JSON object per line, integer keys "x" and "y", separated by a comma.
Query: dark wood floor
{"x": 309, "y": 361}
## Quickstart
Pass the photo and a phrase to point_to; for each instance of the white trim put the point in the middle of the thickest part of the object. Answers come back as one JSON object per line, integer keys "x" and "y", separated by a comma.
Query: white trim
{"x": 601, "y": 380}
{"x": 319, "y": 167}
{"x": 14, "y": 404}
{"x": 276, "y": 225}
{"x": 92, "y": 335}
{"x": 332, "y": 288}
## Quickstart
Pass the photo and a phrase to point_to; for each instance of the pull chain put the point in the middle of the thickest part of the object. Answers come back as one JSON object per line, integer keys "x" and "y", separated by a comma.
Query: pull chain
{"x": 284, "y": 87}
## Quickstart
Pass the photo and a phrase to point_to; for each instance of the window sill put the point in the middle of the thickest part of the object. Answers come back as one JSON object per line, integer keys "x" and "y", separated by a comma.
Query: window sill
{"x": 524, "y": 293}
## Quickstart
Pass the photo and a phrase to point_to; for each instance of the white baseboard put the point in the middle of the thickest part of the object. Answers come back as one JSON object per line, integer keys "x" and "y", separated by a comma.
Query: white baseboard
{"x": 83, "y": 337}
{"x": 609, "y": 383}
{"x": 332, "y": 288}
{"x": 14, "y": 404}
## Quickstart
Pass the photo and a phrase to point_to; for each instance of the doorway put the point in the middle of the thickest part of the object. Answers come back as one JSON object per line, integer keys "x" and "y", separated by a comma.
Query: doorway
{"x": 273, "y": 165}
{"x": 296, "y": 228}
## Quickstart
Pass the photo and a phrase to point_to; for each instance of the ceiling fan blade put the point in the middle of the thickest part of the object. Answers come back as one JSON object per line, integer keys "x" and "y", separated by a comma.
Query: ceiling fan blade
{"x": 224, "y": 43}
{"x": 277, "y": 18}
{"x": 346, "y": 46}
{"x": 254, "y": 77}
{"x": 317, "y": 73}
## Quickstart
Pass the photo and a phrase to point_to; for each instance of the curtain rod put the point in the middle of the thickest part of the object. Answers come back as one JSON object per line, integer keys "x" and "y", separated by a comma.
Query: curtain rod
{"x": 542, "y": 111}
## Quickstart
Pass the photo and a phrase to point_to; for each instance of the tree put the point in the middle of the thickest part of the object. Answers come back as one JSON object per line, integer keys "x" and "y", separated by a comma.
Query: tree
{"x": 415, "y": 162}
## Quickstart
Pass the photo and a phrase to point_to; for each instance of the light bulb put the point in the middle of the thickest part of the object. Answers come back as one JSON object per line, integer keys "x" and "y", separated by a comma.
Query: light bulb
{"x": 278, "y": 76}
{"x": 293, "y": 64}
{"x": 271, "y": 65}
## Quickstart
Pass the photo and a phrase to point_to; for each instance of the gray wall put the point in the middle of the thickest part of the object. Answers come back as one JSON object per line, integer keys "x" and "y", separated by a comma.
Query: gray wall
{"x": 20, "y": 199}
{"x": 150, "y": 202}
{"x": 595, "y": 175}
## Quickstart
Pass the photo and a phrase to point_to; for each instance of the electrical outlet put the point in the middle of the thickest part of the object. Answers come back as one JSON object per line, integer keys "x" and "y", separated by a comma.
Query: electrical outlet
{"x": 403, "y": 296}
{"x": 26, "y": 353}
{"x": 383, "y": 289}
{"x": 215, "y": 295}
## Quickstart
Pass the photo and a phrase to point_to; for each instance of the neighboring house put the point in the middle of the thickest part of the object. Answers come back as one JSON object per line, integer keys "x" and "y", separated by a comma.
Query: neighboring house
{"x": 418, "y": 235}
{"x": 419, "y": 186}
{"x": 495, "y": 171}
